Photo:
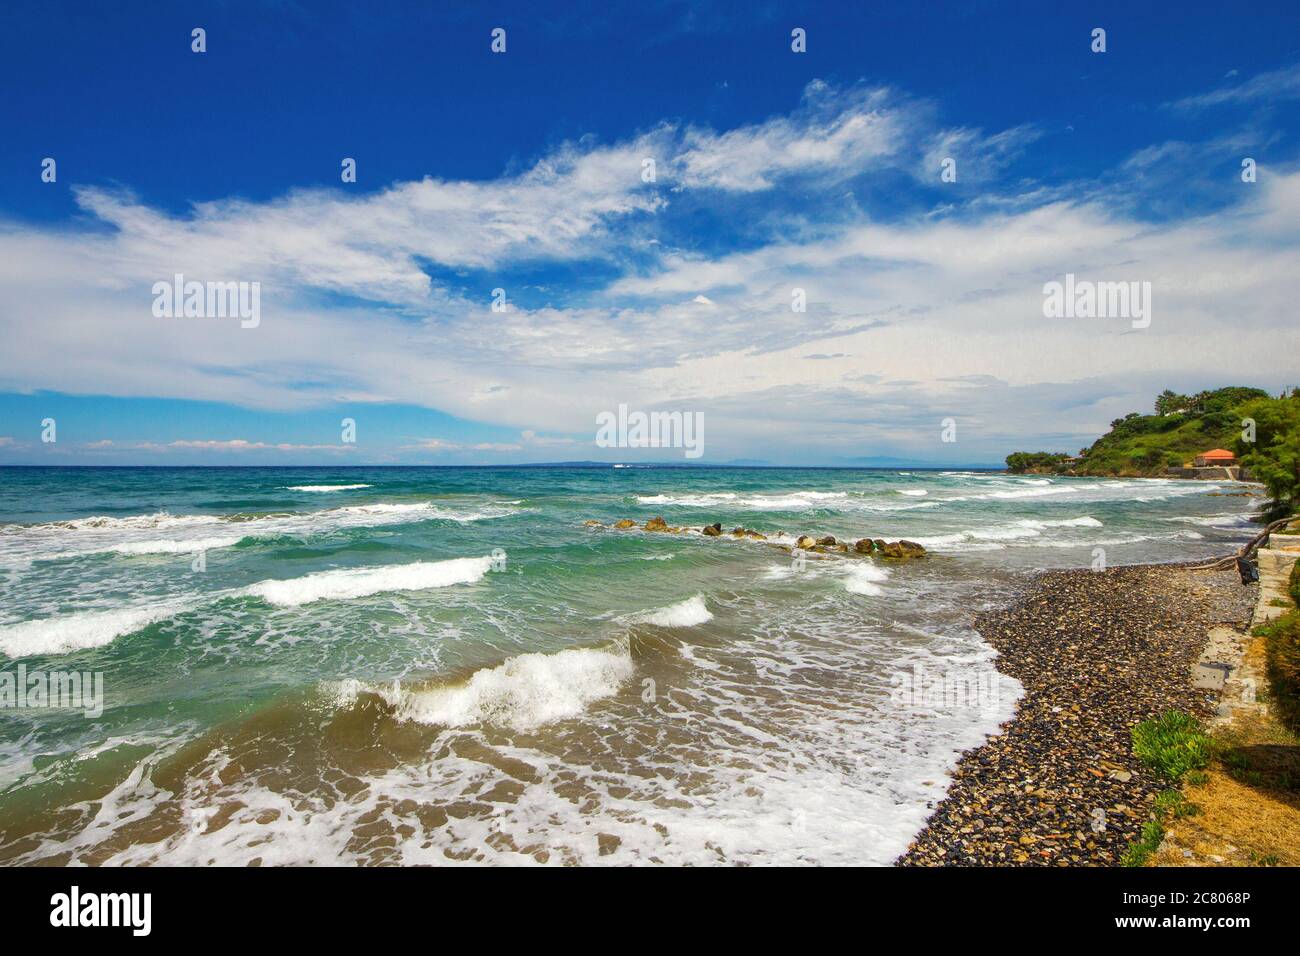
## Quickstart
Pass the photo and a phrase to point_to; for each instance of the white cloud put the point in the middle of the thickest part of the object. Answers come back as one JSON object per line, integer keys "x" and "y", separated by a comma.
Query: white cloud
{"x": 829, "y": 134}
{"x": 939, "y": 310}
{"x": 1274, "y": 85}
{"x": 979, "y": 157}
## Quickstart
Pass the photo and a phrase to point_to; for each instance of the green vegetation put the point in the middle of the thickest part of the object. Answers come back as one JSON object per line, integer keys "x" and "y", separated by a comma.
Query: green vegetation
{"x": 1274, "y": 457}
{"x": 1282, "y": 664}
{"x": 1172, "y": 744}
{"x": 1183, "y": 426}
{"x": 1021, "y": 462}
{"x": 1140, "y": 850}
{"x": 1169, "y": 805}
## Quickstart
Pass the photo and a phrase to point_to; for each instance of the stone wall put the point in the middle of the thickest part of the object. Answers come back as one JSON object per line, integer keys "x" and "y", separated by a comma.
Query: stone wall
{"x": 1210, "y": 473}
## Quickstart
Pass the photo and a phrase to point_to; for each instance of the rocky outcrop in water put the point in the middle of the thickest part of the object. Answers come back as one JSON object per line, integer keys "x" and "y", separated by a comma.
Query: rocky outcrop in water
{"x": 902, "y": 550}
{"x": 826, "y": 544}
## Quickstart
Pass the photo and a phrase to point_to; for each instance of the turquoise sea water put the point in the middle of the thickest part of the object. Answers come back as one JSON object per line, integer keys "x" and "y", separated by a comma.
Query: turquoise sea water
{"x": 425, "y": 665}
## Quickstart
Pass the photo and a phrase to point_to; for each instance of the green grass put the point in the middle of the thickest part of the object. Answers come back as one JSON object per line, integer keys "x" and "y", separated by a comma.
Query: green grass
{"x": 1172, "y": 805}
{"x": 1140, "y": 444}
{"x": 1147, "y": 444}
{"x": 1169, "y": 805}
{"x": 1173, "y": 744}
{"x": 1282, "y": 664}
{"x": 1140, "y": 850}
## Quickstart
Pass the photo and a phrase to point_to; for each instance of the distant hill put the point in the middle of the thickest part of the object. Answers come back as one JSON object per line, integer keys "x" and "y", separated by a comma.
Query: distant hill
{"x": 1140, "y": 445}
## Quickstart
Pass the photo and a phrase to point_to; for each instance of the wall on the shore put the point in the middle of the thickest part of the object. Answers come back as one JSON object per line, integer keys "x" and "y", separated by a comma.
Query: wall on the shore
{"x": 1211, "y": 472}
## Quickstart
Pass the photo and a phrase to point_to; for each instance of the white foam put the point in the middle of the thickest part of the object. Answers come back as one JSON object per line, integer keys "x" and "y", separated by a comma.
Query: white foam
{"x": 1014, "y": 531}
{"x": 1037, "y": 492}
{"x": 169, "y": 546}
{"x": 686, "y": 613}
{"x": 914, "y": 492}
{"x": 74, "y": 632}
{"x": 864, "y": 578}
{"x": 149, "y": 534}
{"x": 359, "y": 582}
{"x": 325, "y": 487}
{"x": 160, "y": 519}
{"x": 523, "y": 693}
{"x": 1214, "y": 521}
{"x": 793, "y": 501}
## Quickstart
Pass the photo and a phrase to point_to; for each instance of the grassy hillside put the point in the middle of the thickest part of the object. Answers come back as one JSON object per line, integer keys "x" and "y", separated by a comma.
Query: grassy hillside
{"x": 1140, "y": 445}
{"x": 1145, "y": 445}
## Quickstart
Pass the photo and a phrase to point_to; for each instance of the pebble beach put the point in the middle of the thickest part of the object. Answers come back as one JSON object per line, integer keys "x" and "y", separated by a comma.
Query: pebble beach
{"x": 1097, "y": 653}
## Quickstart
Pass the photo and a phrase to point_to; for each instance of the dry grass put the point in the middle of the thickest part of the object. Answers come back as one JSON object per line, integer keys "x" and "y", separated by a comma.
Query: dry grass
{"x": 1248, "y": 802}
{"x": 1236, "y": 825}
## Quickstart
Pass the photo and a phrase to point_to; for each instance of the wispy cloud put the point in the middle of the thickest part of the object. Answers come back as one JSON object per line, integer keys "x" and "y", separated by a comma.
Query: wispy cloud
{"x": 1281, "y": 84}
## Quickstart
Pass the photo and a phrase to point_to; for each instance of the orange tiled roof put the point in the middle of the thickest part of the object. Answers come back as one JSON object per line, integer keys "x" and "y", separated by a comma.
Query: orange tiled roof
{"x": 1216, "y": 453}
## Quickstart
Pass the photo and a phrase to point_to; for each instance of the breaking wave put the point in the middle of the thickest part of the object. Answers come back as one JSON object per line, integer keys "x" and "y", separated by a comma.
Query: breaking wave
{"x": 688, "y": 613}
{"x": 74, "y": 632}
{"x": 361, "y": 582}
{"x": 523, "y": 693}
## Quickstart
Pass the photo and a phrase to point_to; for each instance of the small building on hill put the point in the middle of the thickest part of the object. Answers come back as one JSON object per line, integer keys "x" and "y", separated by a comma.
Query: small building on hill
{"x": 1215, "y": 464}
{"x": 1215, "y": 457}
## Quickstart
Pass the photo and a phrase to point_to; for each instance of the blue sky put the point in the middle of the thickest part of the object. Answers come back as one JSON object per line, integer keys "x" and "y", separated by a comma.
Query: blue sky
{"x": 775, "y": 170}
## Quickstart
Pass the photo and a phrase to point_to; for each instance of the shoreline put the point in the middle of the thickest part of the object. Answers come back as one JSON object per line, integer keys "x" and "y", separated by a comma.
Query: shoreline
{"x": 1097, "y": 652}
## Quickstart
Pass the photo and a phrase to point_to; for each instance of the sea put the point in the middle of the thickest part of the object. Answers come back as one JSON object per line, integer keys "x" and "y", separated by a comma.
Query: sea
{"x": 441, "y": 666}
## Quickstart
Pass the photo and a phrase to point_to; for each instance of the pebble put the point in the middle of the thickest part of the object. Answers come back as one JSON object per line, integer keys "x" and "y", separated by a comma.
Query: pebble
{"x": 1097, "y": 653}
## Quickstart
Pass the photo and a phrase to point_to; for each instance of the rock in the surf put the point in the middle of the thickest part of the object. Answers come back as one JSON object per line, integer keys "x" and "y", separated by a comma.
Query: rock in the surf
{"x": 903, "y": 550}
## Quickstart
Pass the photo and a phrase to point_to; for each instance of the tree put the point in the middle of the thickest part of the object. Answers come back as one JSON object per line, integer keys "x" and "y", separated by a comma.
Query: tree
{"x": 1169, "y": 402}
{"x": 1274, "y": 457}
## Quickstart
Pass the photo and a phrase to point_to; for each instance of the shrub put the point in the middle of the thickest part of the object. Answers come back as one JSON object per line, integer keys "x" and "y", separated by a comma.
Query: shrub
{"x": 1282, "y": 664}
{"x": 1021, "y": 461}
{"x": 1294, "y": 584}
{"x": 1140, "y": 850}
{"x": 1169, "y": 805}
{"x": 1172, "y": 744}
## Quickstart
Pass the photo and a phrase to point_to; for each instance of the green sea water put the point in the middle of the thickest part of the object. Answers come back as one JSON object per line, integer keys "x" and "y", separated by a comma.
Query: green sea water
{"x": 446, "y": 665}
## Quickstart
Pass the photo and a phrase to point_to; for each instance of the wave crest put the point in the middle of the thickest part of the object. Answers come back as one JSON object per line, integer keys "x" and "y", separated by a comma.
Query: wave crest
{"x": 361, "y": 582}
{"x": 523, "y": 693}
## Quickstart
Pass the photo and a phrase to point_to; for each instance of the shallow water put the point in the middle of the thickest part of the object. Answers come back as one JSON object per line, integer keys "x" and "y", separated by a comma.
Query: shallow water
{"x": 424, "y": 665}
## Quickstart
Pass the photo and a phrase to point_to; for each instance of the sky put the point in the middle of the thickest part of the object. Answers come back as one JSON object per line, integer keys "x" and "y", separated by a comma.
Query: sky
{"x": 378, "y": 336}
